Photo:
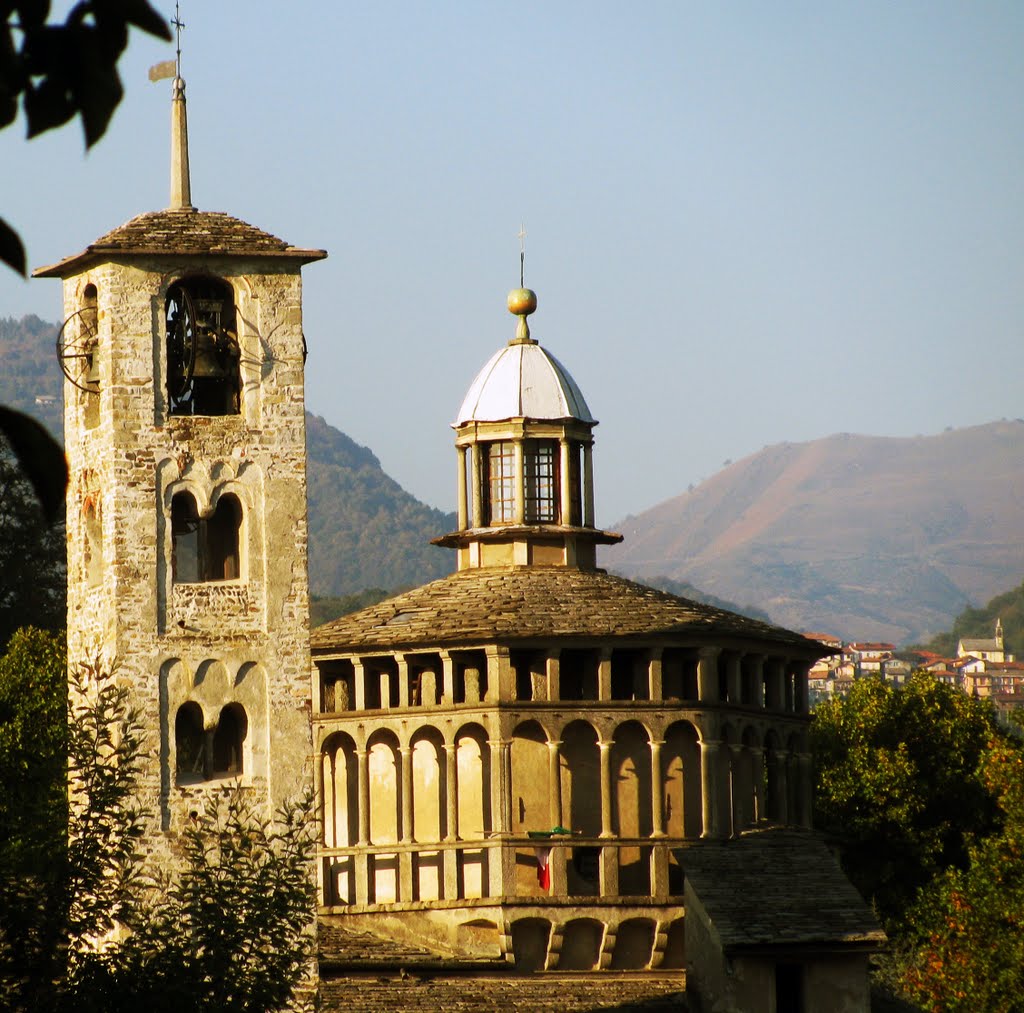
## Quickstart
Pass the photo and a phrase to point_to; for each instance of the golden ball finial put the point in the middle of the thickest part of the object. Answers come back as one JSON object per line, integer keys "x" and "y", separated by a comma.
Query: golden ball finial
{"x": 522, "y": 302}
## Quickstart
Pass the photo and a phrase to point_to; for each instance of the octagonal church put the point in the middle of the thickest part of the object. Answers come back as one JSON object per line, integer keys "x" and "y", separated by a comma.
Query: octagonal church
{"x": 512, "y": 759}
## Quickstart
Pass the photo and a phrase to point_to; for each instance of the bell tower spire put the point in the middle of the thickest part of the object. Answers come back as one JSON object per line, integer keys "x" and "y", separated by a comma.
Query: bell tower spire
{"x": 181, "y": 186}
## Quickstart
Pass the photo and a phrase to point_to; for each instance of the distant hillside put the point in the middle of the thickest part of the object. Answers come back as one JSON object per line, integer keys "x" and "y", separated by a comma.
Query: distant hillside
{"x": 687, "y": 590}
{"x": 365, "y": 531}
{"x": 30, "y": 379}
{"x": 866, "y": 537}
{"x": 980, "y": 622}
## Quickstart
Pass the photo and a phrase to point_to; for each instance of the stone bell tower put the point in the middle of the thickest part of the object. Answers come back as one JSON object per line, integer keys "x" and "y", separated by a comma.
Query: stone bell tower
{"x": 186, "y": 511}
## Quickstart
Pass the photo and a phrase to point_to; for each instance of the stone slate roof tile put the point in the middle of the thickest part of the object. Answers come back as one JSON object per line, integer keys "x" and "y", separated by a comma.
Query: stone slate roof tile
{"x": 777, "y": 887}
{"x": 182, "y": 232}
{"x": 499, "y": 604}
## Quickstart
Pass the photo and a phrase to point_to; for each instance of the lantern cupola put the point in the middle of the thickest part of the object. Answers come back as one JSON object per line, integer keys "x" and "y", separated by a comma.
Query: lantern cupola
{"x": 524, "y": 439}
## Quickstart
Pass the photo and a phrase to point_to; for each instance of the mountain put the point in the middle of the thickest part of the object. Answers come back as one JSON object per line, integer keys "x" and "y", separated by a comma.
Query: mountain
{"x": 365, "y": 530}
{"x": 869, "y": 538}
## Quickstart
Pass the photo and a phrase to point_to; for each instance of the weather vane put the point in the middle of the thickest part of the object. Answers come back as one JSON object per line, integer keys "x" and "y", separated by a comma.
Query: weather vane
{"x": 521, "y": 236}
{"x": 178, "y": 26}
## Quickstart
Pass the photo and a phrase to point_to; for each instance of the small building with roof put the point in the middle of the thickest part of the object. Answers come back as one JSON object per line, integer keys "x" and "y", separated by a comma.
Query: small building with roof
{"x": 513, "y": 761}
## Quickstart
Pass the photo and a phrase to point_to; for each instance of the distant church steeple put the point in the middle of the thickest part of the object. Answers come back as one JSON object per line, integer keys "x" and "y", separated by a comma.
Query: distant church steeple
{"x": 181, "y": 186}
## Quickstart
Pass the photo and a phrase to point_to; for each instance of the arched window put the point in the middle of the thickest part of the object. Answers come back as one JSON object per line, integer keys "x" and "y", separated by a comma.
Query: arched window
{"x": 189, "y": 743}
{"x": 205, "y": 548}
{"x": 229, "y": 739}
{"x": 202, "y": 348}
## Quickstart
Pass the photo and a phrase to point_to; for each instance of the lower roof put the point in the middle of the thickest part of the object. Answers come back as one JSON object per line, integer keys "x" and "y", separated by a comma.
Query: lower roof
{"x": 503, "y": 604}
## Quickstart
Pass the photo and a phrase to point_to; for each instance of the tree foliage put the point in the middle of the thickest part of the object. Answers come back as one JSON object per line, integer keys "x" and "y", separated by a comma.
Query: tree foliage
{"x": 898, "y": 784}
{"x": 59, "y": 70}
{"x": 964, "y": 946}
{"x": 88, "y": 922}
{"x": 33, "y": 573}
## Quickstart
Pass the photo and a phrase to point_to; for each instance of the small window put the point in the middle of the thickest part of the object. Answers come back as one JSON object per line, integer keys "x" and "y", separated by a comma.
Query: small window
{"x": 189, "y": 743}
{"x": 93, "y": 555}
{"x": 229, "y": 740}
{"x": 205, "y": 549}
{"x": 202, "y": 348}
{"x": 540, "y": 458}
{"x": 501, "y": 482}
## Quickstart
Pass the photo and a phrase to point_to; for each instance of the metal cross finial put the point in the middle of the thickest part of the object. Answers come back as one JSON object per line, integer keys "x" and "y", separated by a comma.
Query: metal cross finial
{"x": 178, "y": 26}
{"x": 521, "y": 236}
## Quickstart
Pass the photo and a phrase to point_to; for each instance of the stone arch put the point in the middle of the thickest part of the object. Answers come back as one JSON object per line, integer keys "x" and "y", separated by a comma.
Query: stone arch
{"x": 473, "y": 782}
{"x": 631, "y": 781}
{"x": 634, "y": 944}
{"x": 530, "y": 938}
{"x": 229, "y": 740}
{"x": 580, "y": 772}
{"x": 581, "y": 945}
{"x": 680, "y": 781}
{"x": 385, "y": 787}
{"x": 189, "y": 737}
{"x": 531, "y": 791}
{"x": 774, "y": 776}
{"x": 429, "y": 786}
{"x": 340, "y": 801}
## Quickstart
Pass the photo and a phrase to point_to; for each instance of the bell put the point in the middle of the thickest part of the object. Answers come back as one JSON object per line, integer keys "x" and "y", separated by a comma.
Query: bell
{"x": 211, "y": 361}
{"x": 92, "y": 365}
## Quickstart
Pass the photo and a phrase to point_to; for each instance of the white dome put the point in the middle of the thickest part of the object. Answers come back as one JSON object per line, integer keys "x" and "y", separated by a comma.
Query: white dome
{"x": 522, "y": 380}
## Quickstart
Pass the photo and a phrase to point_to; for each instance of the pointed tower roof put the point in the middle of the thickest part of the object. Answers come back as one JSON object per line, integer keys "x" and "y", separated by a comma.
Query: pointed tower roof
{"x": 181, "y": 229}
{"x": 523, "y": 380}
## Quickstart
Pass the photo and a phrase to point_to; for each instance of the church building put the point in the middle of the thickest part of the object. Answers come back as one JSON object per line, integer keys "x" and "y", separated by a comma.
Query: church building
{"x": 184, "y": 426}
{"x": 513, "y": 761}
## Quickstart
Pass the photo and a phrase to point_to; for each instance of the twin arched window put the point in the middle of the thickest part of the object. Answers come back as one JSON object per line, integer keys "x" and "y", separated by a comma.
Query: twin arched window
{"x": 203, "y": 754}
{"x": 205, "y": 548}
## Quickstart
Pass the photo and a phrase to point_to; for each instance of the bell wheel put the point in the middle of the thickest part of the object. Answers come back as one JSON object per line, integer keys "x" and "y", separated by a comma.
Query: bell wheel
{"x": 76, "y": 350}
{"x": 181, "y": 339}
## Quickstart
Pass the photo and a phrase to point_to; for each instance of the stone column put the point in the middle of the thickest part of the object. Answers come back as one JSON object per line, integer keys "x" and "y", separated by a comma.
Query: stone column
{"x": 462, "y": 498}
{"x": 707, "y": 675}
{"x": 520, "y": 479}
{"x": 447, "y": 679}
{"x": 588, "y": 485}
{"x": 500, "y": 674}
{"x": 757, "y": 772}
{"x": 739, "y": 802}
{"x": 757, "y": 679}
{"x": 655, "y": 688}
{"x": 806, "y": 815}
{"x": 322, "y": 759}
{"x": 363, "y": 778}
{"x": 478, "y": 492}
{"x": 554, "y": 683}
{"x": 775, "y": 673}
{"x": 359, "y": 682}
{"x": 500, "y": 751}
{"x": 781, "y": 764}
{"x": 565, "y": 484}
{"x": 403, "y": 680}
{"x": 604, "y": 674}
{"x": 405, "y": 752}
{"x": 452, "y": 797}
{"x": 606, "y": 790}
{"x": 709, "y": 782}
{"x": 657, "y": 790}
{"x": 555, "y": 782}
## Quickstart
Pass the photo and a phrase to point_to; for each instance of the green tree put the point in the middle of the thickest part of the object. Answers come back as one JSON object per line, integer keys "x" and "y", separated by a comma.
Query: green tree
{"x": 231, "y": 932}
{"x": 33, "y": 572}
{"x": 965, "y": 941}
{"x": 898, "y": 784}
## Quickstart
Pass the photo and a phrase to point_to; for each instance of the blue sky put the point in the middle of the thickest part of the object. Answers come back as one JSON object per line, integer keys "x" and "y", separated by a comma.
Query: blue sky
{"x": 746, "y": 222}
